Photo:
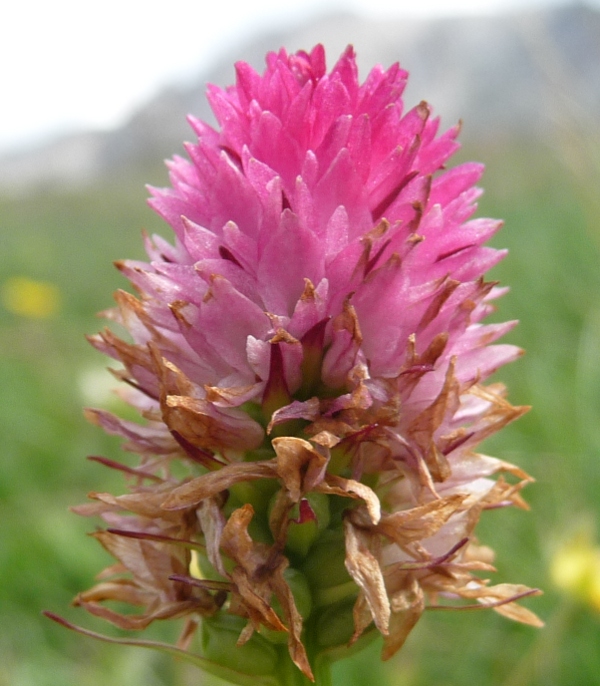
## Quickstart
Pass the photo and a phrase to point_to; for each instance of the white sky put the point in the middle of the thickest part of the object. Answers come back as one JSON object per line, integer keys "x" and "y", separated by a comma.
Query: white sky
{"x": 82, "y": 63}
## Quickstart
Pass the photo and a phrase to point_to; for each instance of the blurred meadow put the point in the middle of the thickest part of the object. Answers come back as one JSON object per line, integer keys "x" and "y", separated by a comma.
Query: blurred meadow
{"x": 56, "y": 272}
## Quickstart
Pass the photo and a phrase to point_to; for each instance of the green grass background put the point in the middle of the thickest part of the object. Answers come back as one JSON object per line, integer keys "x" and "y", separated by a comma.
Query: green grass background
{"x": 70, "y": 238}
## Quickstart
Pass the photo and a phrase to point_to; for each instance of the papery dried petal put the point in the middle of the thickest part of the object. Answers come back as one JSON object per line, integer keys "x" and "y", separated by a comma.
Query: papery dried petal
{"x": 364, "y": 568}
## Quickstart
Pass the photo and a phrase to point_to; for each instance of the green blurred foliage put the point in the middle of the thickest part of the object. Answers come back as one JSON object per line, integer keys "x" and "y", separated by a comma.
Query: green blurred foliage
{"x": 48, "y": 372}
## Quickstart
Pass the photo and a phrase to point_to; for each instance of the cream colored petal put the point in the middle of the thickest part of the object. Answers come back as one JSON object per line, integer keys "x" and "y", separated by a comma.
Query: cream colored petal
{"x": 519, "y": 614}
{"x": 212, "y": 522}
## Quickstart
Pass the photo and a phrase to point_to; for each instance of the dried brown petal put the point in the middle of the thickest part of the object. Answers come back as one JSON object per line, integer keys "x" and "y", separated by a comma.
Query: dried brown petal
{"x": 519, "y": 614}
{"x": 501, "y": 597}
{"x": 350, "y": 488}
{"x": 254, "y": 571}
{"x": 209, "y": 485}
{"x": 150, "y": 563}
{"x": 172, "y": 610}
{"x": 363, "y": 567}
{"x": 123, "y": 590}
{"x": 257, "y": 607}
{"x": 407, "y": 603}
{"x": 419, "y": 522}
{"x": 362, "y": 616}
{"x": 145, "y": 503}
{"x": 293, "y": 619}
{"x": 421, "y": 430}
{"x": 153, "y": 438}
{"x": 299, "y": 465}
{"x": 500, "y": 414}
{"x": 207, "y": 426}
{"x": 308, "y": 410}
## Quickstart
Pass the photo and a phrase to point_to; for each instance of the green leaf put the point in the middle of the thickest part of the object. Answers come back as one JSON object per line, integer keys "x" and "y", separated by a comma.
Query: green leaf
{"x": 226, "y": 673}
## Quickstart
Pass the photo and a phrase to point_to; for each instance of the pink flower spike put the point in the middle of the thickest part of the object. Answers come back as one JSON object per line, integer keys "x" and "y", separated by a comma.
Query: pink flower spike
{"x": 310, "y": 361}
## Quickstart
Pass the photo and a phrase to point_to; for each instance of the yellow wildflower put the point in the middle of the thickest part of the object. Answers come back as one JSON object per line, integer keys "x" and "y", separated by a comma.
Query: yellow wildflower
{"x": 30, "y": 298}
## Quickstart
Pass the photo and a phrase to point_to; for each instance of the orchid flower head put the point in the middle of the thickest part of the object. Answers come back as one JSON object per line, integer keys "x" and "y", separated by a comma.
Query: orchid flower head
{"x": 310, "y": 357}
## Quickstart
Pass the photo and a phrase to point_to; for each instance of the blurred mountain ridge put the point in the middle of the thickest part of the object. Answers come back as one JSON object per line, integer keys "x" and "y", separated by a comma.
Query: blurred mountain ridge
{"x": 508, "y": 77}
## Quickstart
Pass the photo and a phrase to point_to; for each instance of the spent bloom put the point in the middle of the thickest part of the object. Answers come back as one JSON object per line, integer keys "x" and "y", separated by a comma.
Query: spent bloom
{"x": 309, "y": 358}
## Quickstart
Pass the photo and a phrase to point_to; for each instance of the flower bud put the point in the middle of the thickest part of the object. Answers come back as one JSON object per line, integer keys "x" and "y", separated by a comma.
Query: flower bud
{"x": 335, "y": 624}
{"x": 324, "y": 567}
{"x": 309, "y": 518}
{"x": 220, "y": 636}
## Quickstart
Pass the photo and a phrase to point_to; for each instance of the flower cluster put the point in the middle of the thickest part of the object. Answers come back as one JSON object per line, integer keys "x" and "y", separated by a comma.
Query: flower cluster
{"x": 309, "y": 357}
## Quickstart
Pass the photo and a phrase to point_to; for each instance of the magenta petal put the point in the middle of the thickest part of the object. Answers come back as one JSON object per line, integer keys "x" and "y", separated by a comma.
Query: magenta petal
{"x": 228, "y": 334}
{"x": 310, "y": 309}
{"x": 200, "y": 242}
{"x": 480, "y": 363}
{"x": 342, "y": 355}
{"x": 291, "y": 255}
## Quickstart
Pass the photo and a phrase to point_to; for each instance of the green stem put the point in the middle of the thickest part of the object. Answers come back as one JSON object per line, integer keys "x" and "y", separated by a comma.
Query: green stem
{"x": 290, "y": 675}
{"x": 323, "y": 672}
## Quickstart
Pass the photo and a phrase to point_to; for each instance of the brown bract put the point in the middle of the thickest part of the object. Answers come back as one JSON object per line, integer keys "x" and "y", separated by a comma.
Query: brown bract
{"x": 411, "y": 486}
{"x": 257, "y": 576}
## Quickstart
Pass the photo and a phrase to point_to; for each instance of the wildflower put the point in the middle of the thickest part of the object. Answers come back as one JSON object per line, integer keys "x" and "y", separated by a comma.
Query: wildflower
{"x": 575, "y": 567}
{"x": 30, "y": 298}
{"x": 311, "y": 350}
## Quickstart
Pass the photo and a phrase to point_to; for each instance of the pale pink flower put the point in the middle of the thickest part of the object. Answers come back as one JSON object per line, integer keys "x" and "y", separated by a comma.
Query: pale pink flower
{"x": 311, "y": 348}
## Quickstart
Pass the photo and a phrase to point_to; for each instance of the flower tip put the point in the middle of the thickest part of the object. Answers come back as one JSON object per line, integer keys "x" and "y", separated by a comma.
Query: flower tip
{"x": 423, "y": 110}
